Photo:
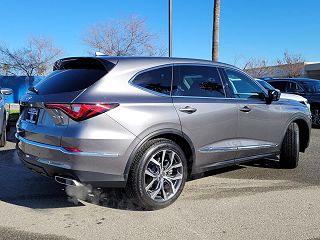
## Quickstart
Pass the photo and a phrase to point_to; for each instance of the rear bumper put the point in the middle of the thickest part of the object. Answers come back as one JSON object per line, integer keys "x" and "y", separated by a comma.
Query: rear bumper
{"x": 54, "y": 161}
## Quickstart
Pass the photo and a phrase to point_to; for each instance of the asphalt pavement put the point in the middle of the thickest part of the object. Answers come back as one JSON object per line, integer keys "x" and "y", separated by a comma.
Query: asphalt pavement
{"x": 254, "y": 201}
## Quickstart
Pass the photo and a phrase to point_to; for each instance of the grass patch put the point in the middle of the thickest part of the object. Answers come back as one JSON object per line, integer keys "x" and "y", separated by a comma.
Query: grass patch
{"x": 13, "y": 116}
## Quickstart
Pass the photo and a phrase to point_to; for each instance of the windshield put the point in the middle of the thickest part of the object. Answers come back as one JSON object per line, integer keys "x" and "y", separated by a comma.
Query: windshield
{"x": 312, "y": 86}
{"x": 265, "y": 85}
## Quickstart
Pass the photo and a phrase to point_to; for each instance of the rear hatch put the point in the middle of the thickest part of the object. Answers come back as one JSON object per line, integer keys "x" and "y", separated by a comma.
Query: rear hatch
{"x": 46, "y": 108}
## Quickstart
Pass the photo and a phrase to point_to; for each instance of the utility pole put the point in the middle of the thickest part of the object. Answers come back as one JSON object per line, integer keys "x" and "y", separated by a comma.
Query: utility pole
{"x": 170, "y": 28}
{"x": 215, "y": 30}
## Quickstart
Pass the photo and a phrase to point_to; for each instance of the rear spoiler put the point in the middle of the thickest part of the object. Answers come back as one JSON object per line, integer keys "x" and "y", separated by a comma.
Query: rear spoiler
{"x": 85, "y": 63}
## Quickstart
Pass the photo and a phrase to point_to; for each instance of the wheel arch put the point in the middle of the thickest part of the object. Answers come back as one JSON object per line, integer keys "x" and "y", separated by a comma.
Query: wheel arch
{"x": 172, "y": 134}
{"x": 304, "y": 133}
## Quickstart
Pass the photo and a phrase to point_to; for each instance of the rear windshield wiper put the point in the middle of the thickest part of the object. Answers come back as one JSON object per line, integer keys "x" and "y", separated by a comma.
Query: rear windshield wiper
{"x": 33, "y": 89}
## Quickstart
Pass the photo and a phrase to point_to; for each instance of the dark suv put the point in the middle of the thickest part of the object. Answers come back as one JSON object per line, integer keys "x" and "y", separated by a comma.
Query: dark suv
{"x": 306, "y": 87}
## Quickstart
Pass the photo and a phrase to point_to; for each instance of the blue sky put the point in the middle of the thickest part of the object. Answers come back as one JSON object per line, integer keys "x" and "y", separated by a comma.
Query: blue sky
{"x": 249, "y": 28}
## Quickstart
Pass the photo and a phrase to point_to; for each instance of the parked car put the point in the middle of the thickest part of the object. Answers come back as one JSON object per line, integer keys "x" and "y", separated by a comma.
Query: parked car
{"x": 295, "y": 97}
{"x": 308, "y": 88}
{"x": 146, "y": 124}
{"x": 4, "y": 116}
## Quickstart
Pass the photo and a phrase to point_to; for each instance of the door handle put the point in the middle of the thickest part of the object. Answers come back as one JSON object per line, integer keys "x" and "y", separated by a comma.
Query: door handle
{"x": 245, "y": 109}
{"x": 188, "y": 109}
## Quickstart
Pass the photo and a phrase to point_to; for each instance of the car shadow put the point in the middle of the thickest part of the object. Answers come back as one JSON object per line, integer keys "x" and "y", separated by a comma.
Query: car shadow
{"x": 117, "y": 198}
{"x": 25, "y": 188}
{"x": 214, "y": 172}
{"x": 20, "y": 186}
{"x": 265, "y": 163}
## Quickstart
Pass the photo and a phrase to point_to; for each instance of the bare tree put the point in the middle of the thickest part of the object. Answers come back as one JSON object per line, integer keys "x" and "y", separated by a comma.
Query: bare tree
{"x": 215, "y": 30}
{"x": 34, "y": 59}
{"x": 5, "y": 68}
{"x": 125, "y": 37}
{"x": 291, "y": 65}
{"x": 258, "y": 67}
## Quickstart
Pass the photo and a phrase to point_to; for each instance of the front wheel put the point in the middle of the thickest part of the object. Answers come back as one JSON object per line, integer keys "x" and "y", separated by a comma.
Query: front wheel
{"x": 289, "y": 156}
{"x": 158, "y": 174}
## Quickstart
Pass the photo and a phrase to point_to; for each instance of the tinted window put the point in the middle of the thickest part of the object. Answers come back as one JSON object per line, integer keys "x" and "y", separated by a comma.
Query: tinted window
{"x": 293, "y": 87}
{"x": 281, "y": 85}
{"x": 199, "y": 81}
{"x": 312, "y": 86}
{"x": 158, "y": 80}
{"x": 73, "y": 74}
{"x": 69, "y": 80}
{"x": 266, "y": 85}
{"x": 242, "y": 86}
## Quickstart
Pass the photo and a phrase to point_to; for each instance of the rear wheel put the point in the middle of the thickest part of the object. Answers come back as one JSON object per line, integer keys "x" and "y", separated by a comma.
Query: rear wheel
{"x": 289, "y": 156}
{"x": 157, "y": 175}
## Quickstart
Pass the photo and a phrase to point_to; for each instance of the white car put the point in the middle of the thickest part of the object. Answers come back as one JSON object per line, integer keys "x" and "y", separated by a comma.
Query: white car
{"x": 285, "y": 95}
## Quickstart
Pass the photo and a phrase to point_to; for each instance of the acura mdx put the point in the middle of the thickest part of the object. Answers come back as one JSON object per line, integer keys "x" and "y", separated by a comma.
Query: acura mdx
{"x": 145, "y": 124}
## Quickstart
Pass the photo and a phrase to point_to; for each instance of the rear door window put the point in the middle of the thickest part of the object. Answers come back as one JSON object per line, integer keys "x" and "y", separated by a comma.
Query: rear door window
{"x": 73, "y": 75}
{"x": 157, "y": 80}
{"x": 197, "y": 81}
{"x": 293, "y": 87}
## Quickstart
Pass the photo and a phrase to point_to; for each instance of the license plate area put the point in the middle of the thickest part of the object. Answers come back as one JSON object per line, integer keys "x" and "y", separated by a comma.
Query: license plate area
{"x": 32, "y": 115}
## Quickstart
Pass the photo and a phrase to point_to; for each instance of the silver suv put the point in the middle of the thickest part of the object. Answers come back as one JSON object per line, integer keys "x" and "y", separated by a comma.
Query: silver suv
{"x": 4, "y": 116}
{"x": 146, "y": 124}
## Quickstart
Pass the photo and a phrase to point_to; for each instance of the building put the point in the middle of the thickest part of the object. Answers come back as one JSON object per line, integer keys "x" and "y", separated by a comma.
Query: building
{"x": 305, "y": 69}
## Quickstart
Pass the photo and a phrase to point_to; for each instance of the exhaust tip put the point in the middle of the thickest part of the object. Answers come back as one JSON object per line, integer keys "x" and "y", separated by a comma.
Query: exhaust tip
{"x": 67, "y": 181}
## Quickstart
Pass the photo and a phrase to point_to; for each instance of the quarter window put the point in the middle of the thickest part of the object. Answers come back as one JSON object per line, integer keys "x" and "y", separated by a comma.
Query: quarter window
{"x": 243, "y": 86}
{"x": 158, "y": 80}
{"x": 199, "y": 81}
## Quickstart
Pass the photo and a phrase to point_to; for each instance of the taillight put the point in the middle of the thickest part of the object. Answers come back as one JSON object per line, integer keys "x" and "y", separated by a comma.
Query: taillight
{"x": 80, "y": 112}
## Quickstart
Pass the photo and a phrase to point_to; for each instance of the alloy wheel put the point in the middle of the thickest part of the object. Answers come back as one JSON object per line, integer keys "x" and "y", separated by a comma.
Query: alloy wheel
{"x": 163, "y": 175}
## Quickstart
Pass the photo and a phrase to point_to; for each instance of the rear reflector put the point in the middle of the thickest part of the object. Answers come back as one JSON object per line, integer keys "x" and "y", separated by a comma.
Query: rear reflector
{"x": 69, "y": 149}
{"x": 80, "y": 112}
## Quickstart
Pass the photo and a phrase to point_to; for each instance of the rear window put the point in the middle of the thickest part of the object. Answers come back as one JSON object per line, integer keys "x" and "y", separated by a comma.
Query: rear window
{"x": 73, "y": 75}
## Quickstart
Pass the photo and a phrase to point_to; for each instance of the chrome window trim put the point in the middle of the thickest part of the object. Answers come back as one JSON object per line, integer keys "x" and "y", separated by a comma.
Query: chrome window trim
{"x": 172, "y": 65}
{"x": 190, "y": 64}
{"x": 56, "y": 148}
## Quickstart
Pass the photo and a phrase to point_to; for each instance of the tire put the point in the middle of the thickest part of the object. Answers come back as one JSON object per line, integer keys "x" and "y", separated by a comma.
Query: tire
{"x": 3, "y": 136}
{"x": 8, "y": 127}
{"x": 154, "y": 183}
{"x": 315, "y": 114}
{"x": 289, "y": 156}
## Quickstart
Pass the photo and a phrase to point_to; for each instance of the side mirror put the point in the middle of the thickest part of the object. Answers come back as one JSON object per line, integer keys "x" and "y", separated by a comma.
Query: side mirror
{"x": 273, "y": 95}
{"x": 6, "y": 91}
